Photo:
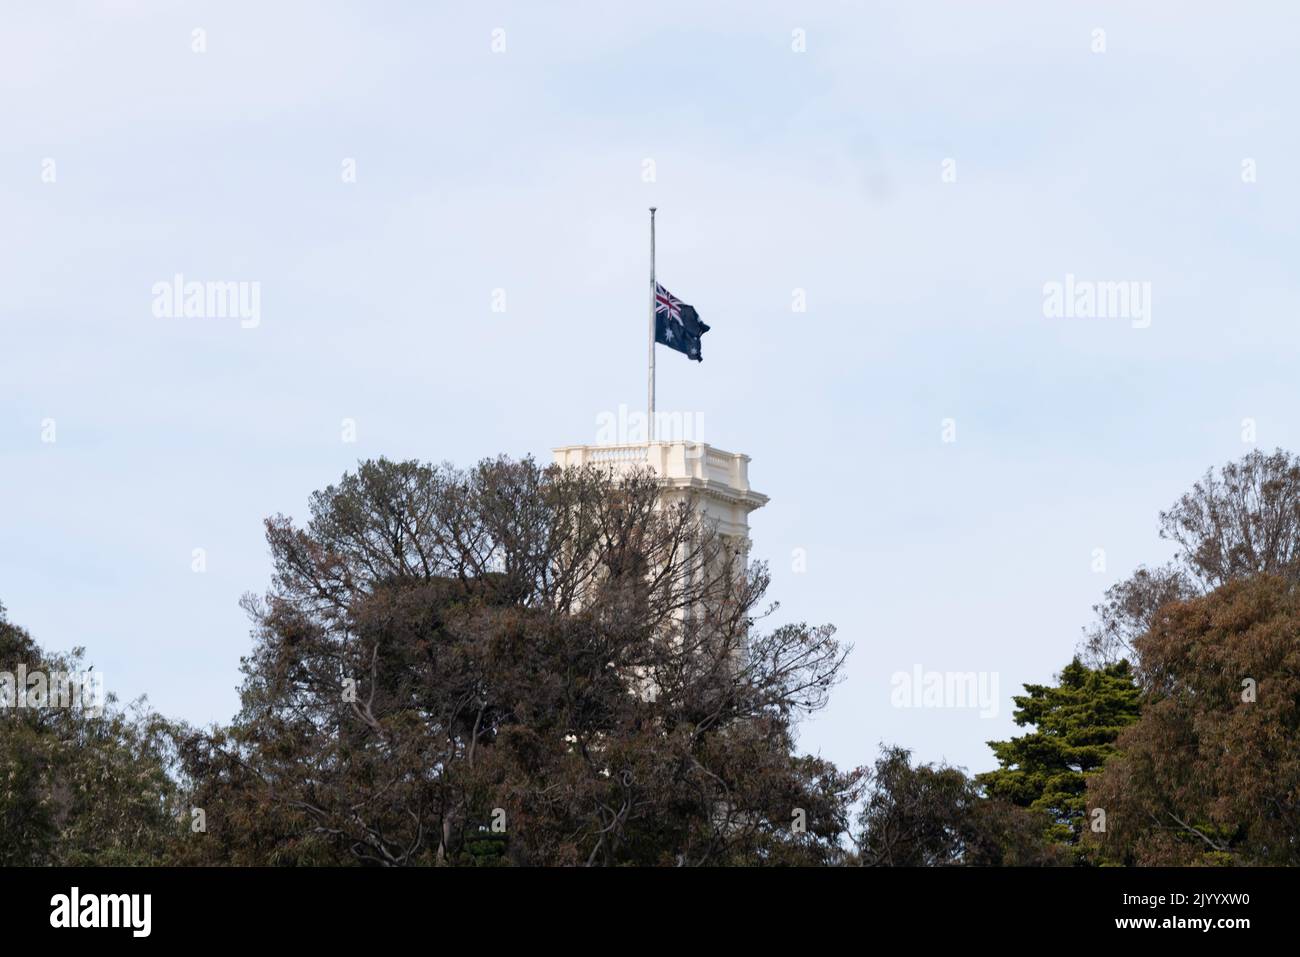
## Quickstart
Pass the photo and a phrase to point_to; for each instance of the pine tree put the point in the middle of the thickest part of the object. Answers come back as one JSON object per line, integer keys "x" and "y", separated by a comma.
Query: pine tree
{"x": 1075, "y": 725}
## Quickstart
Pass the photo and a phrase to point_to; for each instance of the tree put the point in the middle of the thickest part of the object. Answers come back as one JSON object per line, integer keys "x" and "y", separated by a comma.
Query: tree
{"x": 1129, "y": 609}
{"x": 78, "y": 785}
{"x": 1076, "y": 723}
{"x": 544, "y": 654}
{"x": 934, "y": 816}
{"x": 1243, "y": 521}
{"x": 1210, "y": 773}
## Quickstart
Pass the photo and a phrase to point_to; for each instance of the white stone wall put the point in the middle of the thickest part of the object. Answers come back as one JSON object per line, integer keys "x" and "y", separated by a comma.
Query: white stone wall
{"x": 717, "y": 480}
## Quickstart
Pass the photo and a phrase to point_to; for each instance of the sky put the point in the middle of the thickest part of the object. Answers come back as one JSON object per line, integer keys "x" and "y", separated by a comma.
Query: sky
{"x": 865, "y": 201}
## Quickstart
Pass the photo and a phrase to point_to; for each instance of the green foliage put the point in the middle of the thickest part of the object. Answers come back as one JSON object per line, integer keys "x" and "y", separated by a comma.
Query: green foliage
{"x": 79, "y": 787}
{"x": 1076, "y": 723}
{"x": 934, "y": 816}
{"x": 485, "y": 849}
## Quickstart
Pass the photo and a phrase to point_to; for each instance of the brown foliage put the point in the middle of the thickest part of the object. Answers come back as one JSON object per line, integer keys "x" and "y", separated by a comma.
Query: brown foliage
{"x": 546, "y": 648}
{"x": 1207, "y": 775}
{"x": 1243, "y": 520}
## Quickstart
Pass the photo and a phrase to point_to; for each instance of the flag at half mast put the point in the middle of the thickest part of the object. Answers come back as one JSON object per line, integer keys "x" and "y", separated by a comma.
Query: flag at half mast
{"x": 677, "y": 325}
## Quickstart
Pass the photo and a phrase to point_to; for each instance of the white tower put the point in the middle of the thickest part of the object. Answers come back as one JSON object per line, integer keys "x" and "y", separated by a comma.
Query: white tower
{"x": 717, "y": 481}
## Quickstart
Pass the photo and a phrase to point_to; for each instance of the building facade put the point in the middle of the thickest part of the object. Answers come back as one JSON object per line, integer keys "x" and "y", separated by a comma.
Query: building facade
{"x": 716, "y": 481}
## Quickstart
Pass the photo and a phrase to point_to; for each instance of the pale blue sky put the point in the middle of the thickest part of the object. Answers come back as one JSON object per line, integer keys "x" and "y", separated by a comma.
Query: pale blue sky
{"x": 522, "y": 170}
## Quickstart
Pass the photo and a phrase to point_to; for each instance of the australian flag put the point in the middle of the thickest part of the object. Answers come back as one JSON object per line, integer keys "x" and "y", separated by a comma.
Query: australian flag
{"x": 677, "y": 325}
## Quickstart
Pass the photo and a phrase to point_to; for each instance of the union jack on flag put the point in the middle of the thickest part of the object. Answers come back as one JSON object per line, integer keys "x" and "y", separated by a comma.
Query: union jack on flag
{"x": 677, "y": 325}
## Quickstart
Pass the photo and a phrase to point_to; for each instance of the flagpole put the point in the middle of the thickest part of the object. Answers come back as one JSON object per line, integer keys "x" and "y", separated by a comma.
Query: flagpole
{"x": 650, "y": 405}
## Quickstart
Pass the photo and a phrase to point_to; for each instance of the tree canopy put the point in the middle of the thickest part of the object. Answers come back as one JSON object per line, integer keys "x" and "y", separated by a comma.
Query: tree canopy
{"x": 1076, "y": 723}
{"x": 547, "y": 660}
{"x": 1210, "y": 773}
{"x": 1241, "y": 521}
{"x": 511, "y": 664}
{"x": 78, "y": 785}
{"x": 935, "y": 816}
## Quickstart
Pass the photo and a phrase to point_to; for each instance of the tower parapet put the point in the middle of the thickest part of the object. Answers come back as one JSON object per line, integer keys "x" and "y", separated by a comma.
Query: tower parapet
{"x": 718, "y": 481}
